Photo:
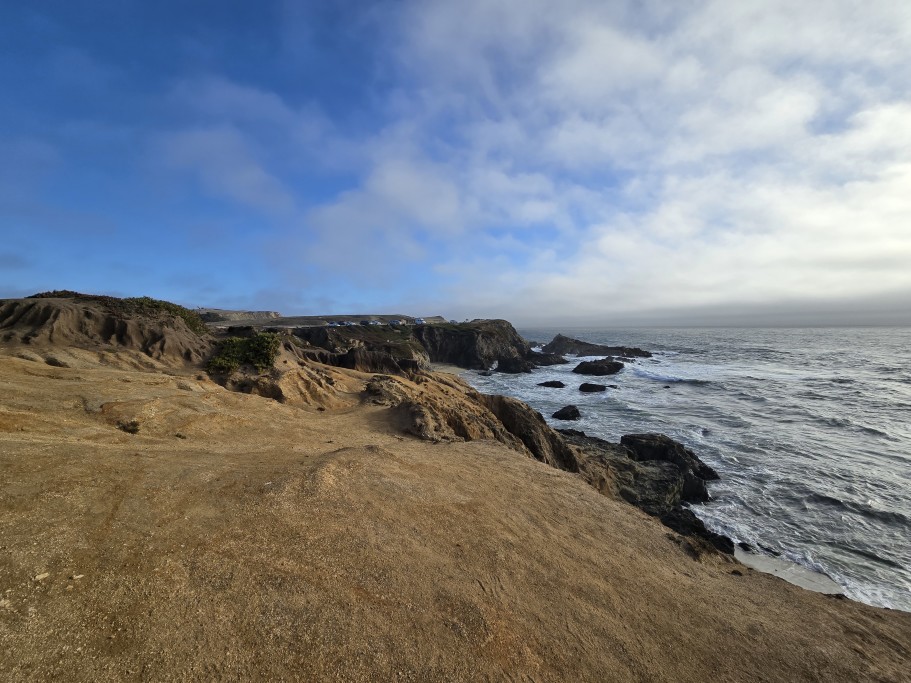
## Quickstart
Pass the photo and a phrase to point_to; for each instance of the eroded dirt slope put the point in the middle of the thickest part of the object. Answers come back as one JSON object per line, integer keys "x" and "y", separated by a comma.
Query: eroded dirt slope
{"x": 234, "y": 537}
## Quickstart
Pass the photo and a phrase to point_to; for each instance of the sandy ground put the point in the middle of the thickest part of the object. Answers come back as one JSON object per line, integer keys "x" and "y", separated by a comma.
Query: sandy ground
{"x": 274, "y": 542}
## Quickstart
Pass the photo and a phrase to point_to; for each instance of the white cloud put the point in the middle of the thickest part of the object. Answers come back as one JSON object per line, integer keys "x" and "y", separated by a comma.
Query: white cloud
{"x": 604, "y": 157}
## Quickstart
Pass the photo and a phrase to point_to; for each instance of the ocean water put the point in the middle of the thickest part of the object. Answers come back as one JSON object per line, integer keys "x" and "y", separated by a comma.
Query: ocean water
{"x": 810, "y": 430}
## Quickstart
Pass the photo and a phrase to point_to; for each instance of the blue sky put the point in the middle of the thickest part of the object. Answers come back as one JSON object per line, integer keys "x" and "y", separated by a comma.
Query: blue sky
{"x": 579, "y": 162}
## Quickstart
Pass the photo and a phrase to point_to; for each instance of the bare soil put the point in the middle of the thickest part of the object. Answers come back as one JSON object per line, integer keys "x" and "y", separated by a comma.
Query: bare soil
{"x": 237, "y": 538}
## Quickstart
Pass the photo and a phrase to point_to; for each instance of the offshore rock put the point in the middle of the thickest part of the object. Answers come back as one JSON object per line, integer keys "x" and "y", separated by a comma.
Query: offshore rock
{"x": 553, "y": 384}
{"x": 513, "y": 365}
{"x": 599, "y": 368}
{"x": 546, "y": 359}
{"x": 567, "y": 413}
{"x": 562, "y": 345}
{"x": 590, "y": 388}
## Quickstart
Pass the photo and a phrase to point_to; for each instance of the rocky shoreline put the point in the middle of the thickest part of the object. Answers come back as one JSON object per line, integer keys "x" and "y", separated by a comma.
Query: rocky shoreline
{"x": 661, "y": 479}
{"x": 280, "y": 515}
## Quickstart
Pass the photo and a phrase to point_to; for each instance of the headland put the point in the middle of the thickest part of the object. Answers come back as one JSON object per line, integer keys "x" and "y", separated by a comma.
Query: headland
{"x": 315, "y": 503}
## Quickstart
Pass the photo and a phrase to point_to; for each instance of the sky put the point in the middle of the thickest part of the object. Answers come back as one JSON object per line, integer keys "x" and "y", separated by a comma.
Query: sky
{"x": 579, "y": 163}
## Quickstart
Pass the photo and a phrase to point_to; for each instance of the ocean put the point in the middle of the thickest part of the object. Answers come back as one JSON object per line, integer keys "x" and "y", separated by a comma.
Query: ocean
{"x": 809, "y": 429}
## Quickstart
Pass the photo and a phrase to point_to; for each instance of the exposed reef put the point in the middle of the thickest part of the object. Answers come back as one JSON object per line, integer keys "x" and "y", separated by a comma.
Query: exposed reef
{"x": 599, "y": 368}
{"x": 563, "y": 345}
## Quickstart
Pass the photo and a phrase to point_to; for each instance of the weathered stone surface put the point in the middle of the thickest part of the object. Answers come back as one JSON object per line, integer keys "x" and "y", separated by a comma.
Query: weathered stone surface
{"x": 563, "y": 345}
{"x": 662, "y": 447}
{"x": 529, "y": 425}
{"x": 658, "y": 486}
{"x": 567, "y": 413}
{"x": 440, "y": 407}
{"x": 92, "y": 322}
{"x": 545, "y": 359}
{"x": 475, "y": 345}
{"x": 599, "y": 368}
{"x": 514, "y": 365}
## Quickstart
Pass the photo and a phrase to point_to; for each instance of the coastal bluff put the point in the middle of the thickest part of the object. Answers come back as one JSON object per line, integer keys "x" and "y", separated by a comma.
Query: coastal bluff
{"x": 184, "y": 503}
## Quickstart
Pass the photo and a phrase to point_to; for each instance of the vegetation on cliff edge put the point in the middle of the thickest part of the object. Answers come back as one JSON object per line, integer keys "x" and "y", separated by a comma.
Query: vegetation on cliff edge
{"x": 259, "y": 350}
{"x": 139, "y": 305}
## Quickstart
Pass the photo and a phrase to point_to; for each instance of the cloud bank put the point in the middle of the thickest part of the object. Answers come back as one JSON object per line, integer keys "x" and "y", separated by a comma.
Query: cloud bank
{"x": 587, "y": 162}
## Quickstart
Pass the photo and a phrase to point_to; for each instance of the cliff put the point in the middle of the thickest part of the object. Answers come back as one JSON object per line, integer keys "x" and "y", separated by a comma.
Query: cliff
{"x": 158, "y": 526}
{"x": 475, "y": 345}
{"x": 159, "y": 330}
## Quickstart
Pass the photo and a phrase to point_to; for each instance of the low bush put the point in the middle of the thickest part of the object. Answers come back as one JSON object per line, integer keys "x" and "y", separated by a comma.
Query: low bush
{"x": 259, "y": 350}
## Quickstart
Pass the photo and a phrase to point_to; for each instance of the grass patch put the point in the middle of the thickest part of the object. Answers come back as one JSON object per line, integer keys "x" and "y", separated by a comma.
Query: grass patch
{"x": 260, "y": 351}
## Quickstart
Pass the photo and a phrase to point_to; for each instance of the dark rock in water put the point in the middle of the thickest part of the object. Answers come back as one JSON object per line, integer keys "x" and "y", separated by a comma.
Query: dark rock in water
{"x": 545, "y": 359}
{"x": 666, "y": 386}
{"x": 562, "y": 345}
{"x": 745, "y": 546}
{"x": 486, "y": 373}
{"x": 599, "y": 368}
{"x": 589, "y": 388}
{"x": 513, "y": 365}
{"x": 553, "y": 383}
{"x": 567, "y": 413}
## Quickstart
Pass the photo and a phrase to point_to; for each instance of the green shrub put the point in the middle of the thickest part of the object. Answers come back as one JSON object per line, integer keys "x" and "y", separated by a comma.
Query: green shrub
{"x": 260, "y": 351}
{"x": 149, "y": 306}
{"x": 130, "y": 427}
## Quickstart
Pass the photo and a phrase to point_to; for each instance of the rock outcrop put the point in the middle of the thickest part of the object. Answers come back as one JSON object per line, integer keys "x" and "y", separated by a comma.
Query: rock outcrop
{"x": 474, "y": 345}
{"x": 366, "y": 349}
{"x": 217, "y": 315}
{"x": 661, "y": 448}
{"x": 563, "y": 345}
{"x": 514, "y": 365}
{"x": 553, "y": 384}
{"x": 545, "y": 359}
{"x": 599, "y": 368}
{"x": 567, "y": 413}
{"x": 659, "y": 484}
{"x": 102, "y": 323}
{"x": 529, "y": 425}
{"x": 441, "y": 407}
